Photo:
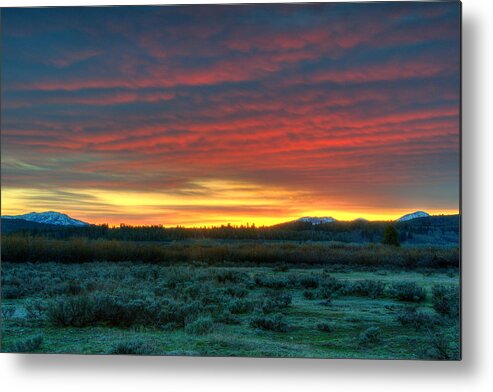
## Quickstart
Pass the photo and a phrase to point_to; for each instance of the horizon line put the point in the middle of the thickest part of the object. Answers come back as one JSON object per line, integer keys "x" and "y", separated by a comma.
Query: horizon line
{"x": 242, "y": 224}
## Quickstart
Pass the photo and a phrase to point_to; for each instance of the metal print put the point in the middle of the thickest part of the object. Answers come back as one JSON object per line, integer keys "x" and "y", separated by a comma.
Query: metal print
{"x": 264, "y": 180}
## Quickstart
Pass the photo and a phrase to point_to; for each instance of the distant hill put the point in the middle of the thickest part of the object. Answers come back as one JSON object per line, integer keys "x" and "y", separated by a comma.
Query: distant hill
{"x": 14, "y": 225}
{"x": 438, "y": 229}
{"x": 413, "y": 215}
{"x": 49, "y": 218}
{"x": 418, "y": 230}
{"x": 436, "y": 221}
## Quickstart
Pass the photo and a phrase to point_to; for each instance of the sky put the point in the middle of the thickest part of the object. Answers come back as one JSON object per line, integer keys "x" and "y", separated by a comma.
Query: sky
{"x": 206, "y": 115}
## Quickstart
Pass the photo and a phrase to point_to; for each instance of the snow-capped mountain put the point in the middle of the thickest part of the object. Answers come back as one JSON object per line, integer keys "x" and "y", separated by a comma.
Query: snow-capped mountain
{"x": 315, "y": 220}
{"x": 48, "y": 217}
{"x": 414, "y": 215}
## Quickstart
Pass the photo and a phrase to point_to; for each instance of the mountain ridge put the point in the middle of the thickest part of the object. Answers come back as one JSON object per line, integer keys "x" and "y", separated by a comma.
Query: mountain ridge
{"x": 315, "y": 220}
{"x": 413, "y": 215}
{"x": 48, "y": 217}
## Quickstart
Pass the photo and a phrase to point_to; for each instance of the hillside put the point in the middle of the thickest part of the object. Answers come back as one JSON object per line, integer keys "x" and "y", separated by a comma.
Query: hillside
{"x": 16, "y": 225}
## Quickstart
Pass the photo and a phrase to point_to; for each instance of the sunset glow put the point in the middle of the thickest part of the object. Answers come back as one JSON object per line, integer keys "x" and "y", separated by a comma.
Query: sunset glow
{"x": 209, "y": 115}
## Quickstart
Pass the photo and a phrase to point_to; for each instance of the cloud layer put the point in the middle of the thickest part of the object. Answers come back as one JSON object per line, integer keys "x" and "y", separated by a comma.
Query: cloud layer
{"x": 219, "y": 114}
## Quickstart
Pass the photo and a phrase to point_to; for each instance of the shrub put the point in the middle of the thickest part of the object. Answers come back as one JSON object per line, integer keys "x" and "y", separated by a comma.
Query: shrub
{"x": 308, "y": 282}
{"x": 12, "y": 292}
{"x": 73, "y": 287}
{"x": 178, "y": 313}
{"x": 71, "y": 311}
{"x": 324, "y": 327}
{"x": 408, "y": 291}
{"x": 438, "y": 347}
{"x": 230, "y": 276}
{"x": 270, "y": 282}
{"x": 227, "y": 318}
{"x": 275, "y": 301}
{"x": 117, "y": 310}
{"x": 445, "y": 300}
{"x": 370, "y": 336}
{"x": 366, "y": 288}
{"x": 237, "y": 291}
{"x": 28, "y": 345}
{"x": 309, "y": 295}
{"x": 35, "y": 308}
{"x": 7, "y": 312}
{"x": 200, "y": 326}
{"x": 325, "y": 293}
{"x": 274, "y": 323}
{"x": 417, "y": 319}
{"x": 131, "y": 347}
{"x": 241, "y": 306}
{"x": 329, "y": 286}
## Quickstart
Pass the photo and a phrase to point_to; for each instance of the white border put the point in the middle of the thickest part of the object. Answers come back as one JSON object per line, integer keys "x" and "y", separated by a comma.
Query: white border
{"x": 36, "y": 373}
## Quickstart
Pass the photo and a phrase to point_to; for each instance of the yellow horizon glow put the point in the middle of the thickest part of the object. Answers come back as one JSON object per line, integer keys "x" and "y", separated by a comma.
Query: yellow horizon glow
{"x": 198, "y": 209}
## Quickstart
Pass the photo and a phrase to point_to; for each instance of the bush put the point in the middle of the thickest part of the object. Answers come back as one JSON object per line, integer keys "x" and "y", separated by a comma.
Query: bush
{"x": 438, "y": 348}
{"x": 274, "y": 323}
{"x": 370, "y": 336}
{"x": 324, "y": 327}
{"x": 123, "y": 311}
{"x": 71, "y": 311}
{"x": 237, "y": 291}
{"x": 326, "y": 302}
{"x": 325, "y": 293}
{"x": 308, "y": 282}
{"x": 330, "y": 286}
{"x": 230, "y": 276}
{"x": 275, "y": 301}
{"x": 241, "y": 306}
{"x": 7, "y": 312}
{"x": 201, "y": 326}
{"x": 227, "y": 318}
{"x": 35, "y": 308}
{"x": 417, "y": 319}
{"x": 12, "y": 292}
{"x": 445, "y": 300}
{"x": 131, "y": 347}
{"x": 309, "y": 295}
{"x": 408, "y": 291}
{"x": 177, "y": 314}
{"x": 270, "y": 282}
{"x": 28, "y": 345}
{"x": 366, "y": 288}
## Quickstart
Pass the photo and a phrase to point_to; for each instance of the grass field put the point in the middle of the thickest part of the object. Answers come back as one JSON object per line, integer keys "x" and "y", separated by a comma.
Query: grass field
{"x": 136, "y": 308}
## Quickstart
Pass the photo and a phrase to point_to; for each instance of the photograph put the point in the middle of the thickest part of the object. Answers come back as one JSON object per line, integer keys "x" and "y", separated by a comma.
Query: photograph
{"x": 232, "y": 180}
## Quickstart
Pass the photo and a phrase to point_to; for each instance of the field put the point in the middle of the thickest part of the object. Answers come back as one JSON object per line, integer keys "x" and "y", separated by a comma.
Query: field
{"x": 331, "y": 310}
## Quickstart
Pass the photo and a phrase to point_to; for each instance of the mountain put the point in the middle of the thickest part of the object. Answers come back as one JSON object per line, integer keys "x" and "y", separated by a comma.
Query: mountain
{"x": 413, "y": 215}
{"x": 49, "y": 218}
{"x": 315, "y": 220}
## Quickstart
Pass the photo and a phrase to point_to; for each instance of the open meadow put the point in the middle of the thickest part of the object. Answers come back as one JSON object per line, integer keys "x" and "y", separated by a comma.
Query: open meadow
{"x": 339, "y": 301}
